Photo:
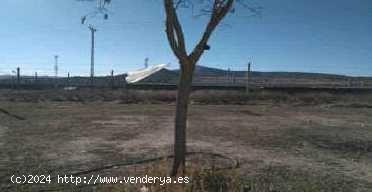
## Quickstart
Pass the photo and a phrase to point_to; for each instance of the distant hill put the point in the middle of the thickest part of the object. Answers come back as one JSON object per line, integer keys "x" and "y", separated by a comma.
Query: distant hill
{"x": 208, "y": 75}
{"x": 213, "y": 76}
{"x": 163, "y": 76}
{"x": 5, "y": 77}
{"x": 209, "y": 71}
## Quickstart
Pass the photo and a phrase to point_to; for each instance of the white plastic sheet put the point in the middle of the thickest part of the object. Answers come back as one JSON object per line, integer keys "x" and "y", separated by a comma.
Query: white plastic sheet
{"x": 135, "y": 76}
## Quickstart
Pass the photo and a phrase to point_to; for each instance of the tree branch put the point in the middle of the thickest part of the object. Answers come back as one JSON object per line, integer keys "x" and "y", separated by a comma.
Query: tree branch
{"x": 174, "y": 30}
{"x": 220, "y": 9}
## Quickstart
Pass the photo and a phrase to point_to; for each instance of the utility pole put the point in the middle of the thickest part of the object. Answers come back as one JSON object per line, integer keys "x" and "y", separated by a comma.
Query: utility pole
{"x": 233, "y": 77}
{"x": 112, "y": 79}
{"x": 35, "y": 78}
{"x": 248, "y": 76}
{"x": 229, "y": 75}
{"x": 13, "y": 83}
{"x": 93, "y": 31}
{"x": 227, "y": 79}
{"x": 56, "y": 71}
{"x": 68, "y": 79}
{"x": 146, "y": 62}
{"x": 18, "y": 77}
{"x": 56, "y": 66}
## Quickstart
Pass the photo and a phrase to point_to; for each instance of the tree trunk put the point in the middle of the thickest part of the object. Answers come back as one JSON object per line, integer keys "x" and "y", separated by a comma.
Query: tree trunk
{"x": 184, "y": 90}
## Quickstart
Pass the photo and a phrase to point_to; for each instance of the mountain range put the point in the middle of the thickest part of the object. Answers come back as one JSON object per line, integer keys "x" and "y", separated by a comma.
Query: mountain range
{"x": 214, "y": 76}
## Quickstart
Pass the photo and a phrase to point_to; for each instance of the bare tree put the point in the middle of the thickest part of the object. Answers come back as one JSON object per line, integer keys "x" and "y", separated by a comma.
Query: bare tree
{"x": 100, "y": 10}
{"x": 216, "y": 10}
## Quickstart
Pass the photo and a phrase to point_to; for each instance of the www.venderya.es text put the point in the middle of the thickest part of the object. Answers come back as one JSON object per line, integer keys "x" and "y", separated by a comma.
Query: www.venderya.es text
{"x": 96, "y": 179}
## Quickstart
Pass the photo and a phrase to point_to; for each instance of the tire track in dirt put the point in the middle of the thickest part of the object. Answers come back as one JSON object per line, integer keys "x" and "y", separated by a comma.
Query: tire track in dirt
{"x": 249, "y": 156}
{"x": 3, "y": 130}
{"x": 158, "y": 141}
{"x": 11, "y": 114}
{"x": 156, "y": 138}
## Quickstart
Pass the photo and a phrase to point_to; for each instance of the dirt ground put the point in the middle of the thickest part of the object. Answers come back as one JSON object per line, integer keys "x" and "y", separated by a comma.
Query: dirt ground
{"x": 324, "y": 142}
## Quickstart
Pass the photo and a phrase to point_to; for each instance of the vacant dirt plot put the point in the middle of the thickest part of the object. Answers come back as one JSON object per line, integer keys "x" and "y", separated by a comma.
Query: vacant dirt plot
{"x": 293, "y": 147}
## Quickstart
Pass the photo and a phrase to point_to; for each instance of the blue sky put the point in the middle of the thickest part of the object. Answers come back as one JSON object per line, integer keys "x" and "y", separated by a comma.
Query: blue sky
{"x": 325, "y": 36}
